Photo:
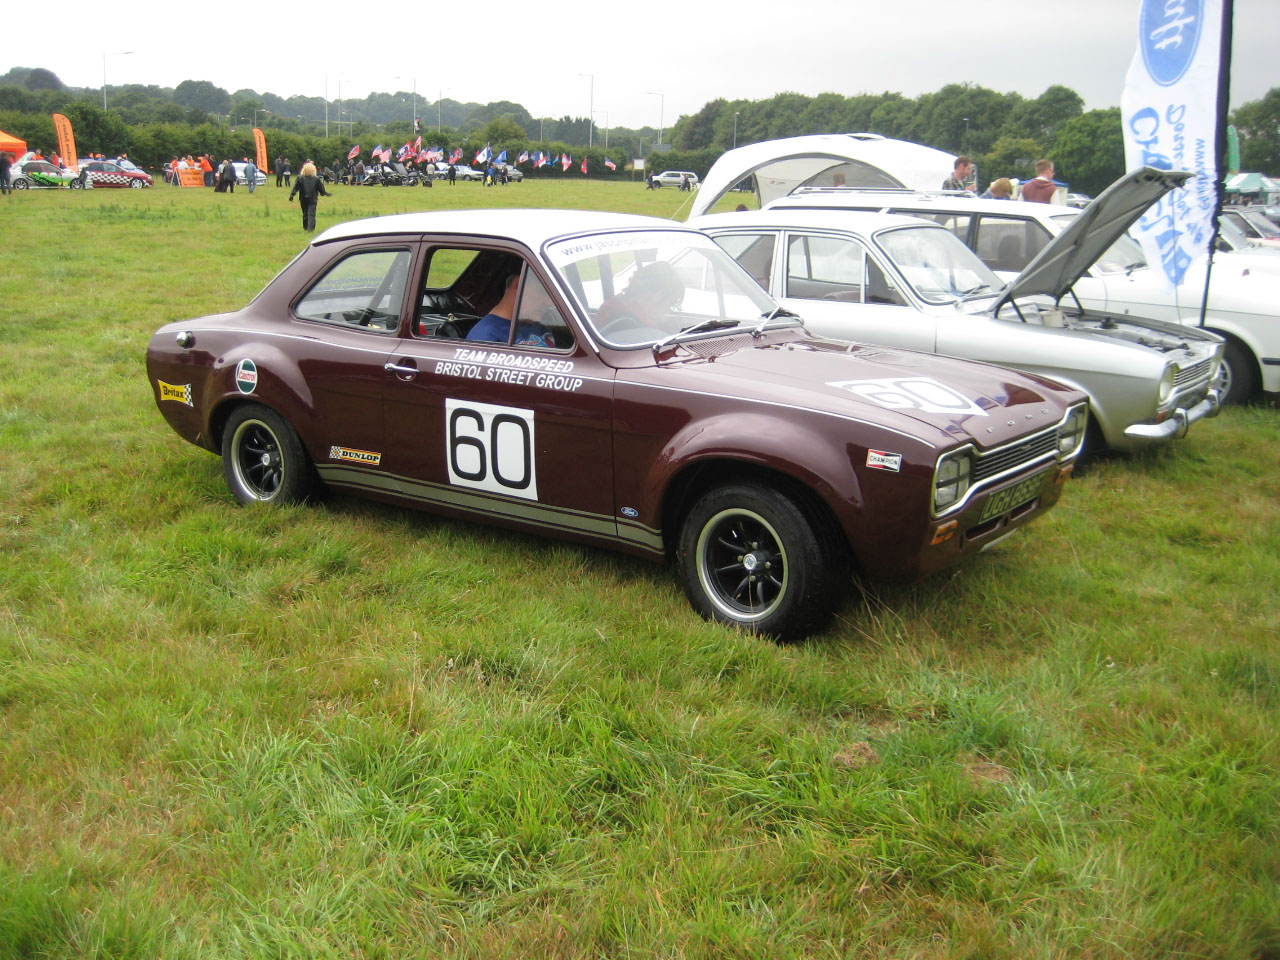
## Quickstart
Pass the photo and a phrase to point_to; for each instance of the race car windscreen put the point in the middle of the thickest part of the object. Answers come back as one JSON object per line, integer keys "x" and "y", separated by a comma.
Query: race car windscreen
{"x": 636, "y": 288}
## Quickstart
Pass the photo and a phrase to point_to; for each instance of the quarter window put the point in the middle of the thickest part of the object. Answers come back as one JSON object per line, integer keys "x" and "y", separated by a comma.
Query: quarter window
{"x": 365, "y": 289}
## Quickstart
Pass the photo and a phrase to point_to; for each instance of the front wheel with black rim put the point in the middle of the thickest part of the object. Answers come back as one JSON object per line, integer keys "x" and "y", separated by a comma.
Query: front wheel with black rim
{"x": 263, "y": 459}
{"x": 750, "y": 556}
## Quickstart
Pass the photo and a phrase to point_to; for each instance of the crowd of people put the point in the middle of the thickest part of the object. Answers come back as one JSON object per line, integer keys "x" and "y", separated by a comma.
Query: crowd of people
{"x": 1039, "y": 189}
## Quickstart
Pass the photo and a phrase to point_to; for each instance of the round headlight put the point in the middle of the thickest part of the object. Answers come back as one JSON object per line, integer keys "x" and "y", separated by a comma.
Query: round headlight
{"x": 1166, "y": 383}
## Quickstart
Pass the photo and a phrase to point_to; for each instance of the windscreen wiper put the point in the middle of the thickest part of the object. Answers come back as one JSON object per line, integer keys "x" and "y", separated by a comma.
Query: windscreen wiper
{"x": 778, "y": 311}
{"x": 711, "y": 323}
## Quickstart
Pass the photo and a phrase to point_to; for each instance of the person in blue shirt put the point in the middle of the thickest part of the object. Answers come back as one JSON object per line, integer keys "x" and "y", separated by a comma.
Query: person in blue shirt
{"x": 495, "y": 326}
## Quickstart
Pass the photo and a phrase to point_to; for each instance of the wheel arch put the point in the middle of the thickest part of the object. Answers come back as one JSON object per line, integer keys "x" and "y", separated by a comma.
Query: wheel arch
{"x": 696, "y": 478}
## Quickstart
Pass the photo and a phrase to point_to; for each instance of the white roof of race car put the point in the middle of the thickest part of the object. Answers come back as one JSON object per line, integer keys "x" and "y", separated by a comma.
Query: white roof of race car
{"x": 530, "y": 227}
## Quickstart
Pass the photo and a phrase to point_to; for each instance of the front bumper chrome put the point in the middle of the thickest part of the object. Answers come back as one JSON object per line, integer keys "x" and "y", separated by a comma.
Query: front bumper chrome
{"x": 1178, "y": 422}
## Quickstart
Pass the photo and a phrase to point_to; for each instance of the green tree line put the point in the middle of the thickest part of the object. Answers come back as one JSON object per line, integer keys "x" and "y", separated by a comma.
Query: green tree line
{"x": 1005, "y": 133}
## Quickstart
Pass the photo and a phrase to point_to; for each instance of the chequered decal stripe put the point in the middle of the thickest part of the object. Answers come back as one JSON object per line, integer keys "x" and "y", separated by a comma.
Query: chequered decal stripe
{"x": 110, "y": 179}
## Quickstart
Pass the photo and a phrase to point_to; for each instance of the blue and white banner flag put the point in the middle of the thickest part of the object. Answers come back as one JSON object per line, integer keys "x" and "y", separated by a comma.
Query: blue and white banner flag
{"x": 1170, "y": 110}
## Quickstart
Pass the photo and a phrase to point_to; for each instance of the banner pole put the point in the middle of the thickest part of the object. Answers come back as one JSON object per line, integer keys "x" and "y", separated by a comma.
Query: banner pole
{"x": 1220, "y": 144}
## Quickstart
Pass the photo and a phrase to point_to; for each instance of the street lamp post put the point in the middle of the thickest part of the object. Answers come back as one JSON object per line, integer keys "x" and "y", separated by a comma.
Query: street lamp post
{"x": 736, "y": 114}
{"x": 591, "y": 104}
{"x": 606, "y": 127}
{"x": 122, "y": 53}
{"x": 662, "y": 100}
{"x": 439, "y": 97}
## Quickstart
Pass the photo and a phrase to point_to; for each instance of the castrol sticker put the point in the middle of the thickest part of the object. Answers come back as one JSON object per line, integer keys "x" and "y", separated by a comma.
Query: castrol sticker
{"x": 246, "y": 376}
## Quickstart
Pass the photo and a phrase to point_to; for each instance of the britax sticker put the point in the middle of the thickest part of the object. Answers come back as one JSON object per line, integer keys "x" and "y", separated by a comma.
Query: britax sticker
{"x": 883, "y": 460}
{"x": 246, "y": 376}
{"x": 177, "y": 392}
{"x": 355, "y": 456}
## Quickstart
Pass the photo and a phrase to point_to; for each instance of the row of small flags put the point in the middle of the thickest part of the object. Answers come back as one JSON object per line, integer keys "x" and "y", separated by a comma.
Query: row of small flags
{"x": 414, "y": 152}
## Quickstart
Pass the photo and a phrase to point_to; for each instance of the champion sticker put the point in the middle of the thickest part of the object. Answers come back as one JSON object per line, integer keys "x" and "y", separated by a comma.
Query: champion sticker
{"x": 177, "y": 392}
{"x": 883, "y": 460}
{"x": 246, "y": 376}
{"x": 355, "y": 456}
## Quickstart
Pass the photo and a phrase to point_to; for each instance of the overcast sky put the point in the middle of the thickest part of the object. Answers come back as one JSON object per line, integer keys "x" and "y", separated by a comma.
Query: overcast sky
{"x": 533, "y": 53}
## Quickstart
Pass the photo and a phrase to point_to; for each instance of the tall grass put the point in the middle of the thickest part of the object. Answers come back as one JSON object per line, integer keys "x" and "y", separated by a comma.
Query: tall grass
{"x": 347, "y": 730}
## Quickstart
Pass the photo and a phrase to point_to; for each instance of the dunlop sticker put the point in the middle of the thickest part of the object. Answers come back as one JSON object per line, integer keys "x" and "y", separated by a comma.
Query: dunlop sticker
{"x": 178, "y": 392}
{"x": 355, "y": 456}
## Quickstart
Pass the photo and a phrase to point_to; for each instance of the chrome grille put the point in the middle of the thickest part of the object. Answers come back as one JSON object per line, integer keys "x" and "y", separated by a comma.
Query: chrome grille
{"x": 1015, "y": 456}
{"x": 1192, "y": 374}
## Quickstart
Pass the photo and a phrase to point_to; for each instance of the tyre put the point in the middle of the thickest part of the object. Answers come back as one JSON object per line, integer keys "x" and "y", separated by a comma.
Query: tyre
{"x": 263, "y": 459}
{"x": 136, "y": 184}
{"x": 750, "y": 556}
{"x": 1237, "y": 380}
{"x": 657, "y": 184}
{"x": 76, "y": 184}
{"x": 22, "y": 183}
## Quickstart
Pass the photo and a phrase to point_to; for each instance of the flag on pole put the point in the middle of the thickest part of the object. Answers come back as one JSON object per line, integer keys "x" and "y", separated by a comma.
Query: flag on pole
{"x": 611, "y": 165}
{"x": 355, "y": 152}
{"x": 482, "y": 156}
{"x": 456, "y": 155}
{"x": 566, "y": 162}
{"x": 523, "y": 158}
{"x": 1172, "y": 111}
{"x": 541, "y": 161}
{"x": 501, "y": 158}
{"x": 417, "y": 128}
{"x": 417, "y": 144}
{"x": 584, "y": 164}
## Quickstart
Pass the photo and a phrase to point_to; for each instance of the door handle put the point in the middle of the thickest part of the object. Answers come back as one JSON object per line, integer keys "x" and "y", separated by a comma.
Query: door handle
{"x": 394, "y": 368}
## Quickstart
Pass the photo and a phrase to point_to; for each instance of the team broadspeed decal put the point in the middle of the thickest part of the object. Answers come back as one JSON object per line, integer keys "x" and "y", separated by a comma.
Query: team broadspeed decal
{"x": 489, "y": 447}
{"x": 355, "y": 456}
{"x": 912, "y": 393}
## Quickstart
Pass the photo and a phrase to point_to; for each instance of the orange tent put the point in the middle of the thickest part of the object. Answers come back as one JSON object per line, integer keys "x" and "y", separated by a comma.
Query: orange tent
{"x": 9, "y": 144}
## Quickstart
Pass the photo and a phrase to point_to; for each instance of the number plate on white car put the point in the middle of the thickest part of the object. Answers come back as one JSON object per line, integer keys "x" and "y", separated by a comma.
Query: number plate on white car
{"x": 1002, "y": 501}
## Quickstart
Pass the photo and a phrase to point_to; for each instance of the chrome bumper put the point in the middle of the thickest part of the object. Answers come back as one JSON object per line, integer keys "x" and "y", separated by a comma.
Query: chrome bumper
{"x": 1178, "y": 422}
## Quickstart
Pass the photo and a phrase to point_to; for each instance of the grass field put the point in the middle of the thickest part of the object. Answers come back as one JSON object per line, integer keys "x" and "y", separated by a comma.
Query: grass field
{"x": 345, "y": 730}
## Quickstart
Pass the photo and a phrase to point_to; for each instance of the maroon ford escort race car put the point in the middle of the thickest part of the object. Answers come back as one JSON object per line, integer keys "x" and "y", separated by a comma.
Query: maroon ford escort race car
{"x": 619, "y": 381}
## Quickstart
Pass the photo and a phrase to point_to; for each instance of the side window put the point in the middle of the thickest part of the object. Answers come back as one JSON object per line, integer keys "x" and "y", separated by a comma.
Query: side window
{"x": 825, "y": 268}
{"x": 447, "y": 265}
{"x": 365, "y": 289}
{"x": 880, "y": 287}
{"x": 539, "y": 322}
{"x": 1007, "y": 245}
{"x": 753, "y": 251}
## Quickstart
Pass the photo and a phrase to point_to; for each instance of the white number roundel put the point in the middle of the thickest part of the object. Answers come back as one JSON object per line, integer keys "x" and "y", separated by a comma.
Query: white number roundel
{"x": 490, "y": 447}
{"x": 912, "y": 393}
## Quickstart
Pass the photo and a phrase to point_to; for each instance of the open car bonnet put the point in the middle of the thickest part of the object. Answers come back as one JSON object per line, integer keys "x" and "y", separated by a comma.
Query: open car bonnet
{"x": 1056, "y": 268}
{"x": 778, "y": 167}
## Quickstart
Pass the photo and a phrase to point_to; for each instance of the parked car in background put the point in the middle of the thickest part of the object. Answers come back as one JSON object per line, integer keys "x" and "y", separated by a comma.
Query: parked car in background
{"x": 1078, "y": 200}
{"x": 107, "y": 173}
{"x": 646, "y": 396}
{"x": 674, "y": 178}
{"x": 38, "y": 174}
{"x": 1243, "y": 292}
{"x": 902, "y": 282}
{"x": 1254, "y": 224}
{"x": 241, "y": 179}
{"x": 513, "y": 173}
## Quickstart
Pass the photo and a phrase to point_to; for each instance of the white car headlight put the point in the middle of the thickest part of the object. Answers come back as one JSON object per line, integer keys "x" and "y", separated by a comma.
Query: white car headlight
{"x": 1166, "y": 383}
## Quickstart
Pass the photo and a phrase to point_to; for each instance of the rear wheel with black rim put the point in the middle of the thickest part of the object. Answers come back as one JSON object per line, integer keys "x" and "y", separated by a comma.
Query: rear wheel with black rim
{"x": 751, "y": 556}
{"x": 263, "y": 459}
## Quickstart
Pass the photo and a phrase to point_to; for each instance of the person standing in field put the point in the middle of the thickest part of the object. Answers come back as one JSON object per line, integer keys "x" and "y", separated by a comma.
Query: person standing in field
{"x": 309, "y": 188}
{"x": 1042, "y": 188}
{"x": 288, "y": 172}
{"x": 6, "y": 161}
{"x": 279, "y": 170}
{"x": 250, "y": 174}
